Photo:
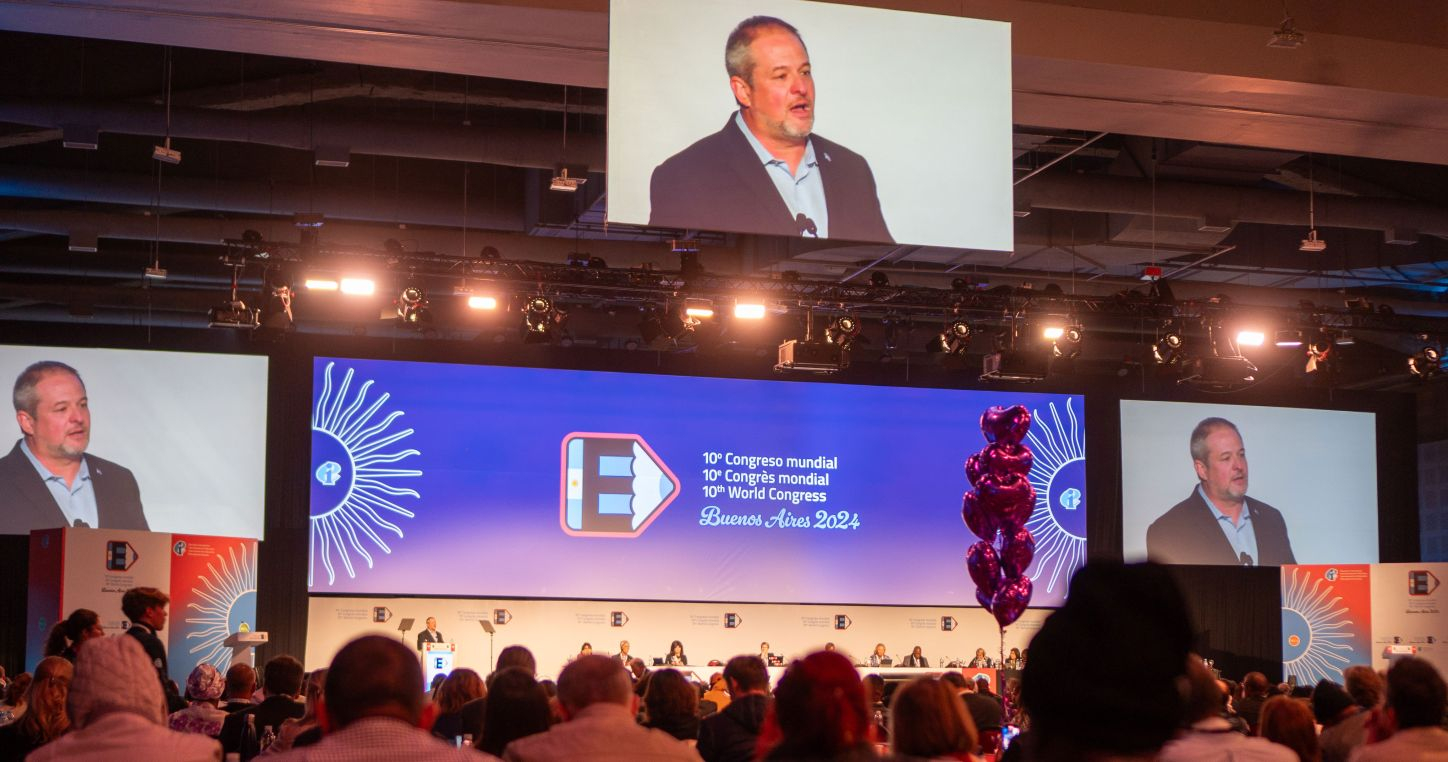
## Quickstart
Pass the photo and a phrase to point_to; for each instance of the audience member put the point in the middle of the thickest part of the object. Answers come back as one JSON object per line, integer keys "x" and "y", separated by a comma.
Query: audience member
{"x": 598, "y": 710}
{"x": 1085, "y": 707}
{"x": 516, "y": 656}
{"x": 1227, "y": 712}
{"x": 372, "y": 710}
{"x": 1409, "y": 725}
{"x": 519, "y": 707}
{"x": 4, "y": 681}
{"x": 240, "y": 684}
{"x": 146, "y": 608}
{"x": 307, "y": 729}
{"x": 980, "y": 660}
{"x": 820, "y": 712}
{"x": 203, "y": 692}
{"x": 1208, "y": 737}
{"x": 1365, "y": 686}
{"x": 436, "y": 685}
{"x": 1254, "y": 695}
{"x": 732, "y": 734}
{"x": 1288, "y": 722}
{"x": 14, "y": 706}
{"x": 46, "y": 719}
{"x": 1344, "y": 723}
{"x": 879, "y": 713}
{"x": 672, "y": 705}
{"x": 460, "y": 687}
{"x": 987, "y": 713}
{"x": 281, "y": 682}
{"x": 717, "y": 695}
{"x": 929, "y": 721}
{"x": 115, "y": 706}
{"x": 67, "y": 635}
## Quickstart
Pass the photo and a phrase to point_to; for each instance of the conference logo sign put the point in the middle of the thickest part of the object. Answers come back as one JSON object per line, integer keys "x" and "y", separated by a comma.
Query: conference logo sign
{"x": 1058, "y": 441}
{"x": 355, "y": 489}
{"x": 1325, "y": 616}
{"x": 613, "y": 485}
{"x": 221, "y": 600}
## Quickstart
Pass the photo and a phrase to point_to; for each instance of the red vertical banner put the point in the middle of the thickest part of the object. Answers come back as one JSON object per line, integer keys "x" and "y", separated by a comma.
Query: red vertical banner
{"x": 213, "y": 594}
{"x": 43, "y": 599}
{"x": 1326, "y": 620}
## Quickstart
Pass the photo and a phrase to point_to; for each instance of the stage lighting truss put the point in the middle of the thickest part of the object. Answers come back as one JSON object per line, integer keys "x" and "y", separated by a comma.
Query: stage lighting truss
{"x": 843, "y": 331}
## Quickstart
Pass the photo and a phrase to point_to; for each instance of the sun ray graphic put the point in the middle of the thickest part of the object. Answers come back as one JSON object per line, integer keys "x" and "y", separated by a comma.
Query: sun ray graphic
{"x": 228, "y": 604}
{"x": 1059, "y": 476}
{"x": 352, "y": 490}
{"x": 1317, "y": 636}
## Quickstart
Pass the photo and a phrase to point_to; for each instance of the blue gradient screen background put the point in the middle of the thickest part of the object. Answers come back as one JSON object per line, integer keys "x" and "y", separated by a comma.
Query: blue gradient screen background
{"x": 484, "y": 459}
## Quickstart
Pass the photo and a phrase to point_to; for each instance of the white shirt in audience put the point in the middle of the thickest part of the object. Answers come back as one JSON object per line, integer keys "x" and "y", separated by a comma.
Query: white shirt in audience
{"x": 1214, "y": 740}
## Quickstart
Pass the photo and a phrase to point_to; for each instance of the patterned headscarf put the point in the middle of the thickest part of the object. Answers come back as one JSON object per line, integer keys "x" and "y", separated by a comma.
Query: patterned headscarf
{"x": 206, "y": 683}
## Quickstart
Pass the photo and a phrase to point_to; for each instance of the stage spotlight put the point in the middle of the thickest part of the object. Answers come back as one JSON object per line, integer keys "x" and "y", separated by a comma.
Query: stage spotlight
{"x": 1318, "y": 353}
{"x": 1250, "y": 338}
{"x": 1288, "y": 339}
{"x": 412, "y": 306}
{"x": 358, "y": 286}
{"x": 1052, "y": 332}
{"x": 749, "y": 310}
{"x": 276, "y": 308}
{"x": 482, "y": 302}
{"x": 843, "y": 330}
{"x": 318, "y": 283}
{"x": 1427, "y": 363}
{"x": 879, "y": 279}
{"x": 538, "y": 320}
{"x": 1068, "y": 344}
{"x": 955, "y": 339}
{"x": 701, "y": 309}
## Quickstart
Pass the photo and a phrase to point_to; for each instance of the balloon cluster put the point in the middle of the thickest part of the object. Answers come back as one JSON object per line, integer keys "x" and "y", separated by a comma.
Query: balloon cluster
{"x": 997, "y": 509}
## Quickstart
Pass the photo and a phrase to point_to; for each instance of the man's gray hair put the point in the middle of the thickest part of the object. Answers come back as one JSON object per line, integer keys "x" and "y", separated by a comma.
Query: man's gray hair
{"x": 1204, "y": 430}
{"x": 737, "y": 59}
{"x": 25, "y": 397}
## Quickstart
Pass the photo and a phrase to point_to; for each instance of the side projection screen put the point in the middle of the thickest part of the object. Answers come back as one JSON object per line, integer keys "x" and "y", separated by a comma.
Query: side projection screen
{"x": 1308, "y": 480}
{"x": 820, "y": 121}
{"x": 518, "y": 482}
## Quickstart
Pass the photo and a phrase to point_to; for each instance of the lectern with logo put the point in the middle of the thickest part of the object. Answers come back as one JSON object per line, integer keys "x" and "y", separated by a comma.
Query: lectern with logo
{"x": 437, "y": 659}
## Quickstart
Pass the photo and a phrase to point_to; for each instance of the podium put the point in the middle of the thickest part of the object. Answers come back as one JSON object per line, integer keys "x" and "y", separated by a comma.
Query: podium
{"x": 243, "y": 646}
{"x": 437, "y": 659}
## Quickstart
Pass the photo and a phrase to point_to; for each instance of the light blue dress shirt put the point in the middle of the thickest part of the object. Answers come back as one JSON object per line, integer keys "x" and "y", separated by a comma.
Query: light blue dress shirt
{"x": 804, "y": 191}
{"x": 78, "y": 501}
{"x": 1241, "y": 535}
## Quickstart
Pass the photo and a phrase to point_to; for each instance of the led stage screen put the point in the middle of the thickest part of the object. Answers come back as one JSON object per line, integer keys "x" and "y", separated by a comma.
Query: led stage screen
{"x": 172, "y": 442}
{"x": 516, "y": 482}
{"x": 907, "y": 115}
{"x": 1309, "y": 478}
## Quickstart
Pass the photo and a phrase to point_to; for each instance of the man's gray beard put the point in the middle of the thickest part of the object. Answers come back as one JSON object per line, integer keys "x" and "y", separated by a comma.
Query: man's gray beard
{"x": 70, "y": 452}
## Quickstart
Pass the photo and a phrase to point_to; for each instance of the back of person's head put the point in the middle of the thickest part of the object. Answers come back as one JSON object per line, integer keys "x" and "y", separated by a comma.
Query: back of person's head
{"x": 114, "y": 675}
{"x": 45, "y": 717}
{"x": 748, "y": 673}
{"x": 874, "y": 688}
{"x": 517, "y": 707}
{"x": 1365, "y": 686}
{"x": 955, "y": 680}
{"x": 460, "y": 687}
{"x": 205, "y": 683}
{"x": 670, "y": 697}
{"x": 982, "y": 685}
{"x": 373, "y": 675}
{"x": 1112, "y": 608}
{"x": 1255, "y": 684}
{"x": 1204, "y": 695}
{"x": 240, "y": 681}
{"x": 1329, "y": 701}
{"x": 517, "y": 656}
{"x": 136, "y": 601}
{"x": 282, "y": 676}
{"x": 1288, "y": 721}
{"x": 1416, "y": 693}
{"x": 928, "y": 719}
{"x": 15, "y": 691}
{"x": 70, "y": 630}
{"x": 593, "y": 680}
{"x": 820, "y": 707}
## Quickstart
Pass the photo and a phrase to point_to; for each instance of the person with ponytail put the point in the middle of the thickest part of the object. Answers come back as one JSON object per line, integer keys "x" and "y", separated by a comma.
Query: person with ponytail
{"x": 66, "y": 636}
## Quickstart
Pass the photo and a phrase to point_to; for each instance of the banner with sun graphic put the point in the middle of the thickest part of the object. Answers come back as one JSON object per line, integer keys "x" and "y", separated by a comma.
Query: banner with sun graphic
{"x": 213, "y": 594}
{"x": 1326, "y": 620}
{"x": 463, "y": 480}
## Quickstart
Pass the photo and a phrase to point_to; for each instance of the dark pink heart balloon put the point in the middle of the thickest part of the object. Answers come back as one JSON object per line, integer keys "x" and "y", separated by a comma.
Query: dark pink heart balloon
{"x": 984, "y": 566}
{"x": 1017, "y": 550}
{"x": 1000, "y": 493}
{"x": 1013, "y": 516}
{"x": 1011, "y": 600}
{"x": 974, "y": 468}
{"x": 1006, "y": 459}
{"x": 982, "y": 523}
{"x": 1005, "y": 425}
{"x": 982, "y": 599}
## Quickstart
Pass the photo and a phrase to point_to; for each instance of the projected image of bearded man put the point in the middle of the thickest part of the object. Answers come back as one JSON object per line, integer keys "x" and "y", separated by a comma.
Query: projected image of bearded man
{"x": 767, "y": 171}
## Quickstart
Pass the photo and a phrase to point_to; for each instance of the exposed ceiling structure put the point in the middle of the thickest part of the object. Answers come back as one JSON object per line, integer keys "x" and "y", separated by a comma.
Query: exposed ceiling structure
{"x": 1196, "y": 154}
